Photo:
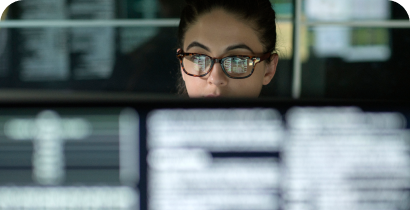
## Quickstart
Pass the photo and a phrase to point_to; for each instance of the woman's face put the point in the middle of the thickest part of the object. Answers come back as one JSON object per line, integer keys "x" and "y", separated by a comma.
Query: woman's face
{"x": 219, "y": 34}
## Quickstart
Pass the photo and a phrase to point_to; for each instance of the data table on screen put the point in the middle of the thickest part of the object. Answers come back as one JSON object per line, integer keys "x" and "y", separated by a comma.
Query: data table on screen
{"x": 307, "y": 157}
{"x": 214, "y": 159}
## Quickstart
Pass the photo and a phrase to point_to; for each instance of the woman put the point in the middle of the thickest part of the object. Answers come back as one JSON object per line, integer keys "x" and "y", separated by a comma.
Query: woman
{"x": 226, "y": 47}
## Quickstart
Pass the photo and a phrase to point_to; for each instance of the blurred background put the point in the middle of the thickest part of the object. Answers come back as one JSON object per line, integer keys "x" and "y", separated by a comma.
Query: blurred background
{"x": 352, "y": 49}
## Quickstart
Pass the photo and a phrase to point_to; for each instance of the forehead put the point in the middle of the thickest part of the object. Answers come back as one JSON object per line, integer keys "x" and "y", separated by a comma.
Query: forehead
{"x": 219, "y": 29}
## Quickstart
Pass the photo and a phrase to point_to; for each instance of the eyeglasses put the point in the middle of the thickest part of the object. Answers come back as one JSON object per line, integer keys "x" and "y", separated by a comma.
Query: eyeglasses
{"x": 235, "y": 67}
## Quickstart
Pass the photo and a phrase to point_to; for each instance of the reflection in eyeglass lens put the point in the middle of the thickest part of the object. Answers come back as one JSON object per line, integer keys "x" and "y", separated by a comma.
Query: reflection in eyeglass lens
{"x": 197, "y": 64}
{"x": 236, "y": 65}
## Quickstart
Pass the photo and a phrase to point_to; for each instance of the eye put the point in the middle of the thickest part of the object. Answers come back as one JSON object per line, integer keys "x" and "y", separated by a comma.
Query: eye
{"x": 198, "y": 58}
{"x": 236, "y": 65}
{"x": 197, "y": 64}
{"x": 200, "y": 61}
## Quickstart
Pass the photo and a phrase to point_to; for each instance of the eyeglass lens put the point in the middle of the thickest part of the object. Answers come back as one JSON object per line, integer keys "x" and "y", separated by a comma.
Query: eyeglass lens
{"x": 234, "y": 66}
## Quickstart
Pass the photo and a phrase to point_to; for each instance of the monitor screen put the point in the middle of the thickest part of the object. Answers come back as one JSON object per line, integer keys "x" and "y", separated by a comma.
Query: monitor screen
{"x": 205, "y": 154}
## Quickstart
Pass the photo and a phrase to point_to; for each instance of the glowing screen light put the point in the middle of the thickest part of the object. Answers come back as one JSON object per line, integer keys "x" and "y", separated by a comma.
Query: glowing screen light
{"x": 351, "y": 44}
{"x": 69, "y": 159}
{"x": 328, "y": 158}
{"x": 214, "y": 159}
{"x": 344, "y": 158}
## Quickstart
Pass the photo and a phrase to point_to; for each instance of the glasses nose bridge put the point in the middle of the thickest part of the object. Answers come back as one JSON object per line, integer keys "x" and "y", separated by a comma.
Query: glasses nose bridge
{"x": 217, "y": 60}
{"x": 214, "y": 61}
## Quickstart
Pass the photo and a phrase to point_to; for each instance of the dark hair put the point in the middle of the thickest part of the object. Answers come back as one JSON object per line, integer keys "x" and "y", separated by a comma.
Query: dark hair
{"x": 259, "y": 12}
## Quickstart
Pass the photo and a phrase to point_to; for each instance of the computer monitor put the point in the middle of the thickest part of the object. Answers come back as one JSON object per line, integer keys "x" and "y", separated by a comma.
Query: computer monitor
{"x": 184, "y": 154}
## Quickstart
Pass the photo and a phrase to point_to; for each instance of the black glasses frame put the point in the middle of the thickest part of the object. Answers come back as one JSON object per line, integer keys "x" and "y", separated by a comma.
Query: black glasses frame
{"x": 256, "y": 60}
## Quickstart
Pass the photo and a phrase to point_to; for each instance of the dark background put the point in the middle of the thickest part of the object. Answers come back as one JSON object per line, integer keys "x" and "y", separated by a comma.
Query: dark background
{"x": 151, "y": 67}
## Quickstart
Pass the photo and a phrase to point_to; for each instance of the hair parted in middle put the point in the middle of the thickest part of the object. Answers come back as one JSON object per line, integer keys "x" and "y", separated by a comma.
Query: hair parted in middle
{"x": 259, "y": 13}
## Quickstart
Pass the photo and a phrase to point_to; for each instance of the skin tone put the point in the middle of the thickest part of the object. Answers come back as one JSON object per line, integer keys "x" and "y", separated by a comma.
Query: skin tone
{"x": 219, "y": 34}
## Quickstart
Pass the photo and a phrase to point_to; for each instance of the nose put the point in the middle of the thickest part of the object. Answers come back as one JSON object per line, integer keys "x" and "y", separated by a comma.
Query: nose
{"x": 217, "y": 76}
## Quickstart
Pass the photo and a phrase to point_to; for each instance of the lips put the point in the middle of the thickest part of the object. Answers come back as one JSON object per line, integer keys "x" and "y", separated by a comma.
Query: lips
{"x": 212, "y": 96}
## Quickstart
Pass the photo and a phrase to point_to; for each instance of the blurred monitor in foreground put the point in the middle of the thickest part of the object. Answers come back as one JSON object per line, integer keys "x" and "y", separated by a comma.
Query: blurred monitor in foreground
{"x": 161, "y": 155}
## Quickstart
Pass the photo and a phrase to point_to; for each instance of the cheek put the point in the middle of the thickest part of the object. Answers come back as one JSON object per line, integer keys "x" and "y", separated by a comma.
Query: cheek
{"x": 256, "y": 80}
{"x": 252, "y": 86}
{"x": 249, "y": 87}
{"x": 194, "y": 86}
{"x": 259, "y": 72}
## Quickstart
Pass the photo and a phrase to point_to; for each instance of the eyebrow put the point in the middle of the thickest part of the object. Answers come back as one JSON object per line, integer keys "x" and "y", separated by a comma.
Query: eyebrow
{"x": 239, "y": 46}
{"x": 197, "y": 44}
{"x": 233, "y": 47}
